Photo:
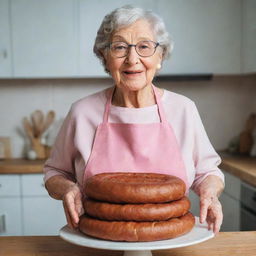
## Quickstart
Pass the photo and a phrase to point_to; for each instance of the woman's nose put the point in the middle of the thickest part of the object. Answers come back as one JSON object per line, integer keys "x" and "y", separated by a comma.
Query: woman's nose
{"x": 132, "y": 56}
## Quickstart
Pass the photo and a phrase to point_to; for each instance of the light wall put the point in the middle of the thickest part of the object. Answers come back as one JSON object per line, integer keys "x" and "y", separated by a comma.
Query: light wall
{"x": 224, "y": 103}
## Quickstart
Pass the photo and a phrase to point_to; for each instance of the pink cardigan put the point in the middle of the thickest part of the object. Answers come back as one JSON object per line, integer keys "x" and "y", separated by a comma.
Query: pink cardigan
{"x": 73, "y": 144}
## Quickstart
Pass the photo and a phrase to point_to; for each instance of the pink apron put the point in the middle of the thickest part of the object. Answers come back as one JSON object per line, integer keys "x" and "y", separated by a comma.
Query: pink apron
{"x": 124, "y": 147}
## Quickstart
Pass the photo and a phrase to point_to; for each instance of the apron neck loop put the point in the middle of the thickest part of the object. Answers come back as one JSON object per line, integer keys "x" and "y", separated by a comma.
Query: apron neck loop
{"x": 158, "y": 102}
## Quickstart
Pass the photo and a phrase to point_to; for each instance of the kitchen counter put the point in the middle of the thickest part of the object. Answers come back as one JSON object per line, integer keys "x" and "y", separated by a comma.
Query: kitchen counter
{"x": 21, "y": 166}
{"x": 241, "y": 166}
{"x": 224, "y": 244}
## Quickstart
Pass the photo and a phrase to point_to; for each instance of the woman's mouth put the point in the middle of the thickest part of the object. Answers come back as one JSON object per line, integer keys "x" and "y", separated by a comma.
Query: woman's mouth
{"x": 132, "y": 73}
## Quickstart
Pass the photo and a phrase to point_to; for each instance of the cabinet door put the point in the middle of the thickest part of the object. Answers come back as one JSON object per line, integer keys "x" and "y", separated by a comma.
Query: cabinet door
{"x": 231, "y": 213}
{"x": 206, "y": 34}
{"x": 91, "y": 15}
{"x": 42, "y": 216}
{"x": 10, "y": 216}
{"x": 195, "y": 203}
{"x": 44, "y": 38}
{"x": 249, "y": 36}
{"x": 5, "y": 43}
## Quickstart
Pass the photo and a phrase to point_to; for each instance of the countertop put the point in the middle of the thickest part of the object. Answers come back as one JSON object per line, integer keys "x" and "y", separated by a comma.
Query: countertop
{"x": 21, "y": 166}
{"x": 224, "y": 244}
{"x": 241, "y": 166}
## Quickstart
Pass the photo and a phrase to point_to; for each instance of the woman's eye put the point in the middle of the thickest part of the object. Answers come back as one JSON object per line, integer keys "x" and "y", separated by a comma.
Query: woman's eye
{"x": 144, "y": 46}
{"x": 119, "y": 47}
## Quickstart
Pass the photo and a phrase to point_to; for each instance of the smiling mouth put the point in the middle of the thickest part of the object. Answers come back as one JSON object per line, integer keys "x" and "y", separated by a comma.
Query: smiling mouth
{"x": 132, "y": 72}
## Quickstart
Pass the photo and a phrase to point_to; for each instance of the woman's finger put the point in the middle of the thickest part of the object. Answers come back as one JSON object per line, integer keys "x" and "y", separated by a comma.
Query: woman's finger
{"x": 210, "y": 225}
{"x": 204, "y": 205}
{"x": 218, "y": 221}
{"x": 70, "y": 224}
{"x": 79, "y": 204}
{"x": 70, "y": 203}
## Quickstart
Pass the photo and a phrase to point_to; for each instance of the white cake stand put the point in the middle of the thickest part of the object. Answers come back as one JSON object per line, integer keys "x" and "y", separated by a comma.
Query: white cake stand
{"x": 198, "y": 234}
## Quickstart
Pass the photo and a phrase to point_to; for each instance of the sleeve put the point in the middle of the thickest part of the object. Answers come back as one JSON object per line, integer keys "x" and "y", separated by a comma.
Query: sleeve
{"x": 61, "y": 160}
{"x": 206, "y": 160}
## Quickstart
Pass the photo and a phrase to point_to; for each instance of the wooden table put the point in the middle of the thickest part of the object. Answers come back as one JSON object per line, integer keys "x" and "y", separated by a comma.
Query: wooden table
{"x": 224, "y": 244}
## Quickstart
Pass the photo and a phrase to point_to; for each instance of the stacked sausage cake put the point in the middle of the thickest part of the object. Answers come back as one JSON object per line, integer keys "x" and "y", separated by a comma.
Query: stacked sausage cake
{"x": 135, "y": 207}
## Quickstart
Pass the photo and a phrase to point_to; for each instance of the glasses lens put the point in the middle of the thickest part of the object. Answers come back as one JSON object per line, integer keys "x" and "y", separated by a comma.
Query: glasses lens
{"x": 145, "y": 48}
{"x": 119, "y": 49}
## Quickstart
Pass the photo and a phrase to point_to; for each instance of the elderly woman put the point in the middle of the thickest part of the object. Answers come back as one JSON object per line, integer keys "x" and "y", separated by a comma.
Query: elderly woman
{"x": 133, "y": 126}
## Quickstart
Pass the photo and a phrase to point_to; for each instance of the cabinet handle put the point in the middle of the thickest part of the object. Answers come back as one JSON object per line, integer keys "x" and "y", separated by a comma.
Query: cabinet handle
{"x": 2, "y": 224}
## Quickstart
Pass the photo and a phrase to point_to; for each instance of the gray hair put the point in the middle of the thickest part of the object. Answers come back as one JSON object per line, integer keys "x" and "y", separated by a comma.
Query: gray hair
{"x": 125, "y": 16}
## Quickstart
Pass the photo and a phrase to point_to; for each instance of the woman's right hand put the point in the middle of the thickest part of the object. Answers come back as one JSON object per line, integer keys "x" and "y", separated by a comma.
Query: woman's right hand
{"x": 73, "y": 206}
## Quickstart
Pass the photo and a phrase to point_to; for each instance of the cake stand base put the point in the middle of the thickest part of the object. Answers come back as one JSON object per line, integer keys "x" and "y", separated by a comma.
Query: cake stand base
{"x": 137, "y": 253}
{"x": 198, "y": 234}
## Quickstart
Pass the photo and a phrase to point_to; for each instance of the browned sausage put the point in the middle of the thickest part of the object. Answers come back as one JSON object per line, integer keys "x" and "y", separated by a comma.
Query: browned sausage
{"x": 134, "y": 187}
{"x": 136, "y": 231}
{"x": 137, "y": 212}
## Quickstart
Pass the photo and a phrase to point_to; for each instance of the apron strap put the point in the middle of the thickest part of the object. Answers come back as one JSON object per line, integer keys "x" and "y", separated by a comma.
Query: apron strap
{"x": 159, "y": 106}
{"x": 108, "y": 104}
{"x": 158, "y": 102}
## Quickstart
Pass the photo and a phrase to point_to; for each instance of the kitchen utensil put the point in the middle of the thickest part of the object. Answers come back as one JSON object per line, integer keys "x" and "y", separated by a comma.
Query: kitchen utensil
{"x": 37, "y": 118}
{"x": 35, "y": 141}
{"x": 49, "y": 120}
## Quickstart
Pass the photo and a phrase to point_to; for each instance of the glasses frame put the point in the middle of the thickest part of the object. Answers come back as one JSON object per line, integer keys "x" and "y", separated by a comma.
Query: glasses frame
{"x": 134, "y": 45}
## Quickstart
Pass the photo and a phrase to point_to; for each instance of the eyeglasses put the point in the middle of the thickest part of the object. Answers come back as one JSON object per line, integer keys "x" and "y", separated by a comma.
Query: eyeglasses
{"x": 143, "y": 48}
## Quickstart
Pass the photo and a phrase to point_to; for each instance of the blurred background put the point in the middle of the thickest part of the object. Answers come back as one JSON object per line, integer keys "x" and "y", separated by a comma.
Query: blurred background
{"x": 47, "y": 63}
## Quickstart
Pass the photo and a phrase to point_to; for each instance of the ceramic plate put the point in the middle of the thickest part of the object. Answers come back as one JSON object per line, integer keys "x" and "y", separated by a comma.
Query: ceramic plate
{"x": 198, "y": 234}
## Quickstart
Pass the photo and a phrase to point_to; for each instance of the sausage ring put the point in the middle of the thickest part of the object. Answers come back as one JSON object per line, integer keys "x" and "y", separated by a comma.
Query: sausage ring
{"x": 136, "y": 212}
{"x": 136, "y": 231}
{"x": 122, "y": 187}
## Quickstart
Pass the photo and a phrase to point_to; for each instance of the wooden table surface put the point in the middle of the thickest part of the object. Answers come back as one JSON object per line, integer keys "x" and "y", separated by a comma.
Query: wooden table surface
{"x": 224, "y": 244}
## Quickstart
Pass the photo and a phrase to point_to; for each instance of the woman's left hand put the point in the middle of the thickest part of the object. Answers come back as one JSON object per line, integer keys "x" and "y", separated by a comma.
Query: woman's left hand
{"x": 211, "y": 211}
{"x": 210, "y": 207}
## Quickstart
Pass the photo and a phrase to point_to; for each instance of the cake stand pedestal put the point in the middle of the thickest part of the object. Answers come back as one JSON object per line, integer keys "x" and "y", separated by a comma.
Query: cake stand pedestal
{"x": 198, "y": 234}
{"x": 136, "y": 253}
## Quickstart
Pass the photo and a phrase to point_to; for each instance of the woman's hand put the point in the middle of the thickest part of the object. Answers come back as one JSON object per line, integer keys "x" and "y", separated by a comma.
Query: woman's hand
{"x": 68, "y": 191}
{"x": 73, "y": 206}
{"x": 211, "y": 211}
{"x": 210, "y": 206}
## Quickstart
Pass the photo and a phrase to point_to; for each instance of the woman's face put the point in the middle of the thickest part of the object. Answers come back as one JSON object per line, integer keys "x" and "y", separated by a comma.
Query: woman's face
{"x": 145, "y": 66}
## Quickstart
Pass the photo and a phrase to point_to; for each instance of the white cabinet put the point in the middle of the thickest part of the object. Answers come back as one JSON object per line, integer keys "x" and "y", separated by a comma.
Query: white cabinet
{"x": 44, "y": 38}
{"x": 249, "y": 36}
{"x": 195, "y": 203}
{"x": 42, "y": 215}
{"x": 91, "y": 15}
{"x": 41, "y": 39}
{"x": 231, "y": 213}
{"x": 10, "y": 205}
{"x": 206, "y": 34}
{"x": 230, "y": 201}
{"x": 5, "y": 41}
{"x": 10, "y": 216}
{"x": 26, "y": 208}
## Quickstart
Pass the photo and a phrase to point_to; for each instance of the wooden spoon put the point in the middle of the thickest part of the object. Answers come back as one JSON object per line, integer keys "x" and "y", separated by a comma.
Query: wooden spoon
{"x": 37, "y": 118}
{"x": 28, "y": 128}
{"x": 49, "y": 120}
